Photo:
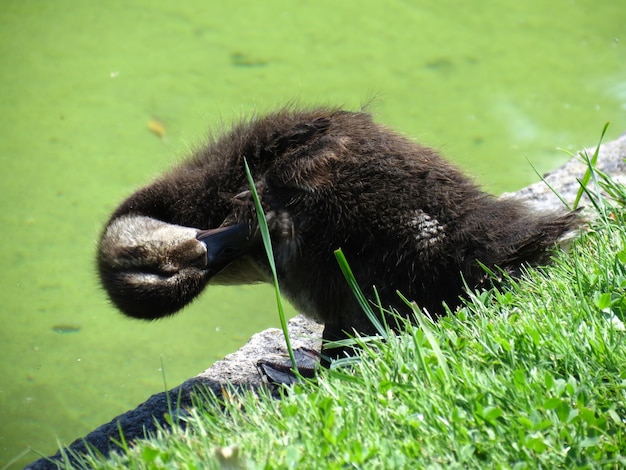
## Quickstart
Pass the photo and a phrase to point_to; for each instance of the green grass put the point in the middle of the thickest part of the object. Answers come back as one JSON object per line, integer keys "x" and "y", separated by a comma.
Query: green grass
{"x": 267, "y": 244}
{"x": 530, "y": 376}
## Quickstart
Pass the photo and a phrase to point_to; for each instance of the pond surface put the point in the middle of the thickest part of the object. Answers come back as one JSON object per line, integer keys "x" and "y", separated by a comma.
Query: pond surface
{"x": 96, "y": 99}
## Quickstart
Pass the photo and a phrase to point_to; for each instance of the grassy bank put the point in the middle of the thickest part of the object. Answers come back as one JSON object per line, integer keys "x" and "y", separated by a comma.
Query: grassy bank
{"x": 530, "y": 376}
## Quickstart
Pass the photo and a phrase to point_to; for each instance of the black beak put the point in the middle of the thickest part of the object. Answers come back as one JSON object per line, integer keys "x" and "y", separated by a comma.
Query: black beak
{"x": 225, "y": 244}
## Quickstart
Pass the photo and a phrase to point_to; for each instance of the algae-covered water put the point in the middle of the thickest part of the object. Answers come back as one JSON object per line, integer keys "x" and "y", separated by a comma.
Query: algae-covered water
{"x": 97, "y": 98}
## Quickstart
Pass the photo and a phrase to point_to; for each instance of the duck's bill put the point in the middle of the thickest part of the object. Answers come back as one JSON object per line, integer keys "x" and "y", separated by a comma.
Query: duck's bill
{"x": 225, "y": 244}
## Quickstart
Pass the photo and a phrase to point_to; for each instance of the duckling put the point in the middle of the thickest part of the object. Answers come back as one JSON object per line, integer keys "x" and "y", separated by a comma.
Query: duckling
{"x": 405, "y": 218}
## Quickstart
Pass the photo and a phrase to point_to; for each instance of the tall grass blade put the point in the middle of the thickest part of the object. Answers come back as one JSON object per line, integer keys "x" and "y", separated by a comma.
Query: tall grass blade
{"x": 554, "y": 191}
{"x": 358, "y": 293}
{"x": 267, "y": 243}
{"x": 593, "y": 198}
{"x": 591, "y": 163}
{"x": 430, "y": 337}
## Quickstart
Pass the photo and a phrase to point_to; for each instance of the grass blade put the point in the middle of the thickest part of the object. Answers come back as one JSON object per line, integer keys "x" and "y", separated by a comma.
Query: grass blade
{"x": 554, "y": 191}
{"x": 591, "y": 163}
{"x": 358, "y": 293}
{"x": 267, "y": 243}
{"x": 424, "y": 325}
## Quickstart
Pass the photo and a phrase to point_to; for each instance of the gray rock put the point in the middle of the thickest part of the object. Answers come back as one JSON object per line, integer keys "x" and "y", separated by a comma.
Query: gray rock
{"x": 239, "y": 369}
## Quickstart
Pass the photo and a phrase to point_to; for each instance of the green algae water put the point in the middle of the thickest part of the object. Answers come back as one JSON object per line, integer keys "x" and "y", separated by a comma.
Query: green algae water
{"x": 99, "y": 98}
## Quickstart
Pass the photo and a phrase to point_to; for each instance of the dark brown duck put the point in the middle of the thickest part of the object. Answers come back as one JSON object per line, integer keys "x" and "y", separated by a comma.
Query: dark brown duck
{"x": 406, "y": 219}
